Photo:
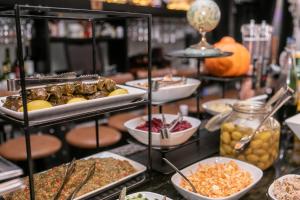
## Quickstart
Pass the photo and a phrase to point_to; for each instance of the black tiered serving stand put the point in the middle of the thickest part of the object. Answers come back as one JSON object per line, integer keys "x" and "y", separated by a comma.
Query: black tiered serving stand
{"x": 202, "y": 144}
{"x": 19, "y": 12}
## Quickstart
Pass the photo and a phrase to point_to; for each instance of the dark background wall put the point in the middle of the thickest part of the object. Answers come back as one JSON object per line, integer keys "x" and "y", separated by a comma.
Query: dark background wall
{"x": 234, "y": 14}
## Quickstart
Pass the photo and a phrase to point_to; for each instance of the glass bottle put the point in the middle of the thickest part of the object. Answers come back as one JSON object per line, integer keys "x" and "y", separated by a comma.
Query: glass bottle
{"x": 6, "y": 65}
{"x": 28, "y": 62}
{"x": 15, "y": 73}
{"x": 288, "y": 77}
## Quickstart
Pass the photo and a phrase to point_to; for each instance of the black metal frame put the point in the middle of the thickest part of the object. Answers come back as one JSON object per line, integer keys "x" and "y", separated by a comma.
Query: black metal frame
{"x": 93, "y": 17}
{"x": 196, "y": 139}
{"x": 90, "y": 16}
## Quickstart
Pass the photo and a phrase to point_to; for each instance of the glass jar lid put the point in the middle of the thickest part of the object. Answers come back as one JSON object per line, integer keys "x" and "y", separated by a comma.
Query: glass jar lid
{"x": 250, "y": 107}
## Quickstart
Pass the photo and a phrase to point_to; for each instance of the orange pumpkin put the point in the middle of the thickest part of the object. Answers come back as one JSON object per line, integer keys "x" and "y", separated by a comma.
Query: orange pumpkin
{"x": 236, "y": 65}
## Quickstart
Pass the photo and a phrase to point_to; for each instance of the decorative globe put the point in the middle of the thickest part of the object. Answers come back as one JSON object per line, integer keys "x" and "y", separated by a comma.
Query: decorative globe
{"x": 204, "y": 15}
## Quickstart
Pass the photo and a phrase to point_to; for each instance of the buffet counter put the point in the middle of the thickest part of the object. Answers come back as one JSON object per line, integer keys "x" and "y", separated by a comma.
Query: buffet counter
{"x": 161, "y": 184}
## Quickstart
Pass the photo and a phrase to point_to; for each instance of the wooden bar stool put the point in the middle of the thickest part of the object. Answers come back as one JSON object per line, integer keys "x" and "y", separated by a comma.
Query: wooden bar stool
{"x": 84, "y": 137}
{"x": 117, "y": 121}
{"x": 192, "y": 73}
{"x": 42, "y": 147}
{"x": 171, "y": 108}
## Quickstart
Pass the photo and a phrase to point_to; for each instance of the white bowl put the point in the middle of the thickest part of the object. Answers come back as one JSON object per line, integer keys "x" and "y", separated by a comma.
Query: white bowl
{"x": 149, "y": 196}
{"x": 294, "y": 124}
{"x": 209, "y": 105}
{"x": 174, "y": 139}
{"x": 255, "y": 172}
{"x": 170, "y": 93}
{"x": 271, "y": 188}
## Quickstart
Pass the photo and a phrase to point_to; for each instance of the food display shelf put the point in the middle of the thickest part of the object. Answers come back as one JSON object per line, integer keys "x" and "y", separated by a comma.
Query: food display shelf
{"x": 84, "y": 114}
{"x": 18, "y": 12}
{"x": 202, "y": 145}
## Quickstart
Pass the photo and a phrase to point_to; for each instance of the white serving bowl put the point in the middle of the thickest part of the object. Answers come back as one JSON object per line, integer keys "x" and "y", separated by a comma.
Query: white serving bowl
{"x": 149, "y": 195}
{"x": 170, "y": 93}
{"x": 294, "y": 124}
{"x": 255, "y": 172}
{"x": 209, "y": 105}
{"x": 174, "y": 139}
{"x": 271, "y": 188}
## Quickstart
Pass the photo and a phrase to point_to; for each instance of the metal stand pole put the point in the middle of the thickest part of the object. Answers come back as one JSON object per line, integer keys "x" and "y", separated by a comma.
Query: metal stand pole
{"x": 95, "y": 71}
{"x": 149, "y": 93}
{"x": 223, "y": 89}
{"x": 97, "y": 133}
{"x": 199, "y": 62}
{"x": 160, "y": 108}
{"x": 24, "y": 101}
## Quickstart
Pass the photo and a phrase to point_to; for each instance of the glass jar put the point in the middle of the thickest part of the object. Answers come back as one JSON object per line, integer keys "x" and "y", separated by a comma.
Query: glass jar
{"x": 244, "y": 119}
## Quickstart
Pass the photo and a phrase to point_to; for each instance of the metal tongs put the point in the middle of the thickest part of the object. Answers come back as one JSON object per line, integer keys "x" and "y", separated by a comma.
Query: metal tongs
{"x": 40, "y": 81}
{"x": 157, "y": 84}
{"x": 84, "y": 181}
{"x": 165, "y": 131}
{"x": 69, "y": 171}
{"x": 122, "y": 195}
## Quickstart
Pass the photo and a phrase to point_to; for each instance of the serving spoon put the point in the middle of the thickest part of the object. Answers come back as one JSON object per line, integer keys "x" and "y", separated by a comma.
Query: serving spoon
{"x": 241, "y": 145}
{"x": 122, "y": 195}
{"x": 181, "y": 174}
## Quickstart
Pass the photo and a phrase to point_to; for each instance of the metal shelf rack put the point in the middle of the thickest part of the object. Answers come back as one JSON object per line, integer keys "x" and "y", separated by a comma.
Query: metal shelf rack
{"x": 200, "y": 145}
{"x": 159, "y": 12}
{"x": 19, "y": 12}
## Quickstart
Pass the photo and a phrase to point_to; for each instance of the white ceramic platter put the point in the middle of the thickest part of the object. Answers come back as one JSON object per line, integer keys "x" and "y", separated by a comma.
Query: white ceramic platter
{"x": 271, "y": 188}
{"x": 65, "y": 110}
{"x": 209, "y": 105}
{"x": 148, "y": 195}
{"x": 139, "y": 170}
{"x": 170, "y": 93}
{"x": 255, "y": 172}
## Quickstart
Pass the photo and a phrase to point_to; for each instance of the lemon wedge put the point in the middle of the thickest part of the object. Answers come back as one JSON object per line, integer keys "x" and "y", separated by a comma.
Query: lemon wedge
{"x": 76, "y": 99}
{"x": 37, "y": 105}
{"x": 118, "y": 92}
